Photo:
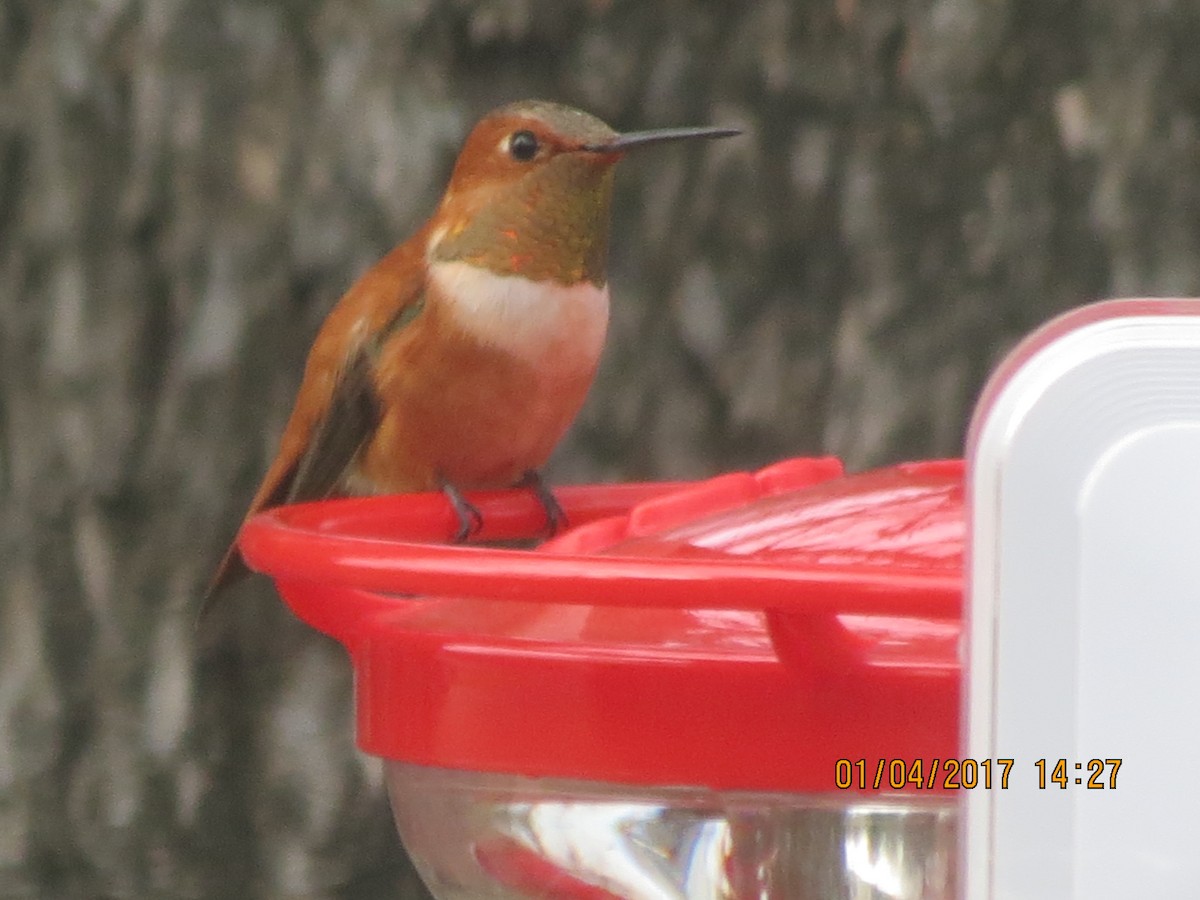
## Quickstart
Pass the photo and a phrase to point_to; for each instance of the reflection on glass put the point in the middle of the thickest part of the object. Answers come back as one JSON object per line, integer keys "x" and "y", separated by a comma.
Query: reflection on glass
{"x": 476, "y": 835}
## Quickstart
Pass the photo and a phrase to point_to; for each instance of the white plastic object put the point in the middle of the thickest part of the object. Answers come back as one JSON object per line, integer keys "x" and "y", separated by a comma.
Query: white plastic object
{"x": 1083, "y": 609}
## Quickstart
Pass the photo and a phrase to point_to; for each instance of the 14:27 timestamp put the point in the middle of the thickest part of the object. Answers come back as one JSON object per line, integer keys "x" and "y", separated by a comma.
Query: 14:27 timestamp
{"x": 1063, "y": 772}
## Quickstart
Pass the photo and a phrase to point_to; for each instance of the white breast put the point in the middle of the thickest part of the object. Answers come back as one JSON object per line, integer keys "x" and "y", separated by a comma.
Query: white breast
{"x": 541, "y": 322}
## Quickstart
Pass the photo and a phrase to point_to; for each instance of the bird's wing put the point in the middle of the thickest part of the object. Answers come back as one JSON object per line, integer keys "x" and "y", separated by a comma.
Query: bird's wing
{"x": 314, "y": 468}
{"x": 320, "y": 446}
{"x": 337, "y": 409}
{"x": 351, "y": 418}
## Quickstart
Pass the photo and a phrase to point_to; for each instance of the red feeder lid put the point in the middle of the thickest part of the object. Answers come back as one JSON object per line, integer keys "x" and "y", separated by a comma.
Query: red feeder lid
{"x": 745, "y": 632}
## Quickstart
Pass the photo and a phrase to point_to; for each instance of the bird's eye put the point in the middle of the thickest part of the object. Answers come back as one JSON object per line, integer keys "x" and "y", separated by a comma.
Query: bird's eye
{"x": 523, "y": 145}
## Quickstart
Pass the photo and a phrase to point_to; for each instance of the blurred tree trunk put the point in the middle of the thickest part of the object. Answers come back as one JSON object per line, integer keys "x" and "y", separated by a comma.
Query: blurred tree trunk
{"x": 186, "y": 186}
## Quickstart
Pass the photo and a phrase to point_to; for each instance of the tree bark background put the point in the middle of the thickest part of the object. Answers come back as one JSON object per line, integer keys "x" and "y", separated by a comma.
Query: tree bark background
{"x": 186, "y": 186}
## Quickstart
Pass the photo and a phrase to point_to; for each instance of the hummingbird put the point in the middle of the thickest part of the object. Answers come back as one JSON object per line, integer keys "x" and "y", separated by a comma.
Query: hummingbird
{"x": 459, "y": 360}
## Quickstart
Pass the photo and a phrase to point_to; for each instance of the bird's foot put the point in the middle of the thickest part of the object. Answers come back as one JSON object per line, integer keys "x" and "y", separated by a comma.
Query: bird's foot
{"x": 470, "y": 520}
{"x": 556, "y": 519}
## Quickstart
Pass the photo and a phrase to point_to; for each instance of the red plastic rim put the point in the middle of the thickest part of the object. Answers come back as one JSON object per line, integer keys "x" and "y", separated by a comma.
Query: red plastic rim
{"x": 400, "y": 546}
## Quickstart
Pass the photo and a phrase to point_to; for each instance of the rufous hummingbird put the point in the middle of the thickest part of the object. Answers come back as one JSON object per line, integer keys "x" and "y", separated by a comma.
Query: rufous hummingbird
{"x": 458, "y": 360}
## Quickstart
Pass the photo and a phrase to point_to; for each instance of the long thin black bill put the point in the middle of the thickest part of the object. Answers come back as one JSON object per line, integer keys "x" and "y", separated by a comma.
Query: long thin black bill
{"x": 632, "y": 139}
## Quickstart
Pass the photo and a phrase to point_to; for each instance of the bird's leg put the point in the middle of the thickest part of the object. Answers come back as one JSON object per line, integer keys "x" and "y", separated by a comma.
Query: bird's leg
{"x": 556, "y": 519}
{"x": 470, "y": 520}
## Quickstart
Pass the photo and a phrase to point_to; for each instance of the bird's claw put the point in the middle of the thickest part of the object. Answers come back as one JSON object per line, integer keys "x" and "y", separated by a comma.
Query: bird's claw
{"x": 470, "y": 520}
{"x": 556, "y": 519}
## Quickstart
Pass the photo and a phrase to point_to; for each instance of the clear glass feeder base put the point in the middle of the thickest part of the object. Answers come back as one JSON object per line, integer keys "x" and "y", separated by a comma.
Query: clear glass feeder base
{"x": 479, "y": 835}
